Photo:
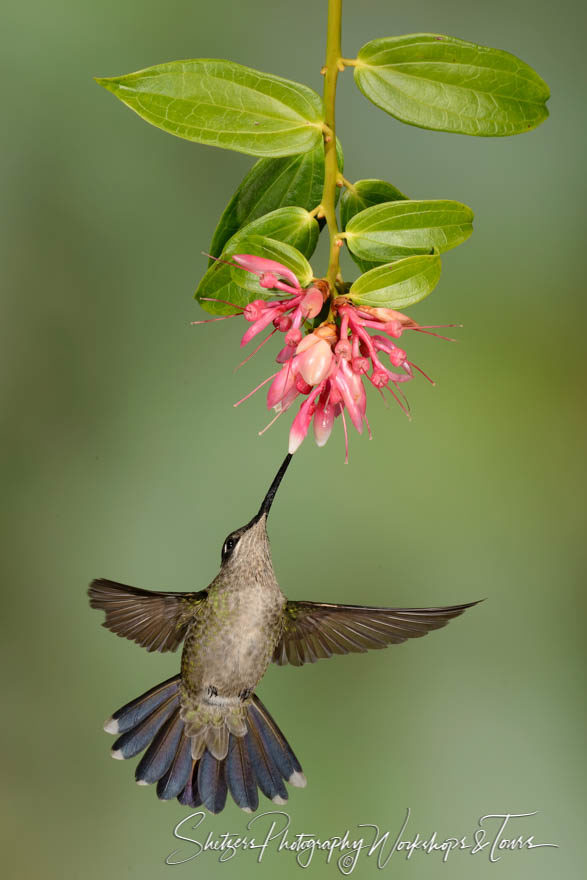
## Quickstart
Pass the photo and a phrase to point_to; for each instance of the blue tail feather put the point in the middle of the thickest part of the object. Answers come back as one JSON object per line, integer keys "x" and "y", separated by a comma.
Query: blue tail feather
{"x": 174, "y": 781}
{"x": 158, "y": 757}
{"x": 138, "y": 738}
{"x": 137, "y": 710}
{"x": 274, "y": 742}
{"x": 190, "y": 796}
{"x": 239, "y": 774}
{"x": 268, "y": 776}
{"x": 212, "y": 782}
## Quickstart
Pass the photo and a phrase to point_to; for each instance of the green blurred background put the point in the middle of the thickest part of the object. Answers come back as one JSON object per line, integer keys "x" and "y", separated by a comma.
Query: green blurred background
{"x": 125, "y": 459}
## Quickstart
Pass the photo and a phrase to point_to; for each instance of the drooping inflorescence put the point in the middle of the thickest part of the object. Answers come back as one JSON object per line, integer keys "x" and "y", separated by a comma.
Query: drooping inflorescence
{"x": 326, "y": 368}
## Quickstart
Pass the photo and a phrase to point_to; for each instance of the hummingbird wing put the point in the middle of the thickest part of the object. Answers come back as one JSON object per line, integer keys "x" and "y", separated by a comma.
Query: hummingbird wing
{"x": 315, "y": 630}
{"x": 156, "y": 621}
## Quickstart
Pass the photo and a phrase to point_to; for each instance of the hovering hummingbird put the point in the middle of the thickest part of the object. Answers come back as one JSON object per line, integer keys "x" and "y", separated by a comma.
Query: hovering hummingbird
{"x": 205, "y": 730}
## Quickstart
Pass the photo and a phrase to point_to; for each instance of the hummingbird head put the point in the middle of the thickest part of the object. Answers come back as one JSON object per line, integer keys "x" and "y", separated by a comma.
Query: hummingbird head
{"x": 249, "y": 546}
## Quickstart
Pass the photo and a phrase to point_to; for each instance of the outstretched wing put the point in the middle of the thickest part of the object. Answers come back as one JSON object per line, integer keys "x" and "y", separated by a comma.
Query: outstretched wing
{"x": 315, "y": 630}
{"x": 156, "y": 621}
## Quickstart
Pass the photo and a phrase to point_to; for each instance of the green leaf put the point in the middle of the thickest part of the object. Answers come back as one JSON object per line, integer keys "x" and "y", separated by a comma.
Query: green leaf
{"x": 399, "y": 284}
{"x": 446, "y": 84}
{"x": 397, "y": 229}
{"x": 363, "y": 194}
{"x": 291, "y": 225}
{"x": 272, "y": 184}
{"x": 224, "y": 104}
{"x": 283, "y": 253}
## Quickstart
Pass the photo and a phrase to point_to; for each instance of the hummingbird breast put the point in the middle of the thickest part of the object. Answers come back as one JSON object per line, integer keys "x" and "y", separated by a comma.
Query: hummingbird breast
{"x": 230, "y": 644}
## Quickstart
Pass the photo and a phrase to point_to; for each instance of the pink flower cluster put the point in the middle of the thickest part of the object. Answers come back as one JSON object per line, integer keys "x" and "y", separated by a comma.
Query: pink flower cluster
{"x": 327, "y": 367}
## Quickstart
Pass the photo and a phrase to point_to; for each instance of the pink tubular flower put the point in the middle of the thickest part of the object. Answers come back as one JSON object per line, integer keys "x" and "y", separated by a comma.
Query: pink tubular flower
{"x": 267, "y": 270}
{"x": 323, "y": 420}
{"x": 326, "y": 366}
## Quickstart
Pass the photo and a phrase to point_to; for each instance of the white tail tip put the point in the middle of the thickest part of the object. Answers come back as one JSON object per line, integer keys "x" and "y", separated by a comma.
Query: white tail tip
{"x": 111, "y": 725}
{"x": 298, "y": 779}
{"x": 141, "y": 782}
{"x": 117, "y": 755}
{"x": 279, "y": 800}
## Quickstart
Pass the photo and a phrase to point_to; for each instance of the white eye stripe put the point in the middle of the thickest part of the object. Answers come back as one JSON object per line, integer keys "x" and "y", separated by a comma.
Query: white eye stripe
{"x": 229, "y": 546}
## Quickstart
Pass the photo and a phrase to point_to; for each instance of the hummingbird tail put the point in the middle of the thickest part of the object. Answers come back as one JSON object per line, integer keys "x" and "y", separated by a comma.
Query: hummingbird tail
{"x": 262, "y": 758}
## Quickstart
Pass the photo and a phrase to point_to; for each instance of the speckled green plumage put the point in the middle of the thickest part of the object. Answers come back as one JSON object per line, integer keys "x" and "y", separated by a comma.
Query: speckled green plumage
{"x": 231, "y": 639}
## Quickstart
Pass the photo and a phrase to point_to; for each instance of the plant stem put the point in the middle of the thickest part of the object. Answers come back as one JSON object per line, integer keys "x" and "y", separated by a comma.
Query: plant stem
{"x": 331, "y": 69}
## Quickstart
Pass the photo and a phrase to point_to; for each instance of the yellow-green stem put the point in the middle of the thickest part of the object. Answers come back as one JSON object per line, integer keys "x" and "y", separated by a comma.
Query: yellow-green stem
{"x": 331, "y": 175}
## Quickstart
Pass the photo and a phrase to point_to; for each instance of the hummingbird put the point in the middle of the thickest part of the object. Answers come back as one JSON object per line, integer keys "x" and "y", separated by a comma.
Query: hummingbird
{"x": 205, "y": 730}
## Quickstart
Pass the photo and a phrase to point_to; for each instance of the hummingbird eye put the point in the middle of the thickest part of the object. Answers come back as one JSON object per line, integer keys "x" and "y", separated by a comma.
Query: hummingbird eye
{"x": 228, "y": 547}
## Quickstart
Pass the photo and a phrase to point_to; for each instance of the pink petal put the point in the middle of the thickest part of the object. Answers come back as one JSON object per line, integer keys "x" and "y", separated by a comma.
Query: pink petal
{"x": 301, "y": 423}
{"x": 287, "y": 400}
{"x": 312, "y": 303}
{"x": 258, "y": 326}
{"x": 281, "y": 385}
{"x": 286, "y": 353}
{"x": 352, "y": 398}
{"x": 323, "y": 422}
{"x": 260, "y": 265}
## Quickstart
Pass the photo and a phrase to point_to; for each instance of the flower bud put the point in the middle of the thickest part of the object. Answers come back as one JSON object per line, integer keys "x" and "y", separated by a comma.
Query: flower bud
{"x": 254, "y": 310}
{"x": 393, "y": 328}
{"x": 379, "y": 379}
{"x": 360, "y": 365}
{"x": 293, "y": 337}
{"x": 314, "y": 361}
{"x": 312, "y": 303}
{"x": 282, "y": 323}
{"x": 343, "y": 349}
{"x": 397, "y": 356}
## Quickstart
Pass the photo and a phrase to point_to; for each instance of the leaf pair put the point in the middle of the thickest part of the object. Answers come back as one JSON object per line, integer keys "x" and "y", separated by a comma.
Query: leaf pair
{"x": 381, "y": 224}
{"x": 428, "y": 80}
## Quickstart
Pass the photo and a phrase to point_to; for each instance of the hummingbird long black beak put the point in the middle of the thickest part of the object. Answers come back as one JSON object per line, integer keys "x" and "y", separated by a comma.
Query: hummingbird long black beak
{"x": 268, "y": 500}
